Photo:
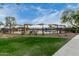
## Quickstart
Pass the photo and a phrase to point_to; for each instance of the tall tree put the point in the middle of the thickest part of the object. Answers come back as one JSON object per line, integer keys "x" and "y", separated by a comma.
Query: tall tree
{"x": 67, "y": 17}
{"x": 10, "y": 22}
{"x": 71, "y": 17}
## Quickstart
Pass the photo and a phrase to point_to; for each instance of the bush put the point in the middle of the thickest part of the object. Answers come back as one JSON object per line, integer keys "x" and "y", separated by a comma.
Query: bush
{"x": 73, "y": 30}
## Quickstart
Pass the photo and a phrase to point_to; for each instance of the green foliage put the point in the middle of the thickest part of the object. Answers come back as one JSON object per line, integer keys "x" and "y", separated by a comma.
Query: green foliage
{"x": 71, "y": 17}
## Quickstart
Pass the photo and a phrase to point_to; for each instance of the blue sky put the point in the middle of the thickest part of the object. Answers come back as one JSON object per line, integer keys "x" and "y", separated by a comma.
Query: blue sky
{"x": 35, "y": 13}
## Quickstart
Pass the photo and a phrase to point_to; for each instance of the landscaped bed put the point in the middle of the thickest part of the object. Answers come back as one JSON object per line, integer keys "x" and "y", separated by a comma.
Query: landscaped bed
{"x": 32, "y": 46}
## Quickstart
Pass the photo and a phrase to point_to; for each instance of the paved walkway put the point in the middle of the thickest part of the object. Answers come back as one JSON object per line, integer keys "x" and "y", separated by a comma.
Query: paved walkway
{"x": 69, "y": 49}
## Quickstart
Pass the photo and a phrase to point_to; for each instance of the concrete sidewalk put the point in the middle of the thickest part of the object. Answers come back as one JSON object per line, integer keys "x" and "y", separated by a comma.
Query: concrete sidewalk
{"x": 69, "y": 49}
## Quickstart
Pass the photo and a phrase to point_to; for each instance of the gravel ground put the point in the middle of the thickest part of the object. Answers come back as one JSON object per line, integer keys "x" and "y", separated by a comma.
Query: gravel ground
{"x": 64, "y": 35}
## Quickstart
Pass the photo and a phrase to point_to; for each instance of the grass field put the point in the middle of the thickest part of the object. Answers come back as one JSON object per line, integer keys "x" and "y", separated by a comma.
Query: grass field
{"x": 32, "y": 46}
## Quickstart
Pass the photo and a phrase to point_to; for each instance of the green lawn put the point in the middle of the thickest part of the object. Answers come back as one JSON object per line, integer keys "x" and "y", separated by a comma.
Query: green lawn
{"x": 34, "y": 46}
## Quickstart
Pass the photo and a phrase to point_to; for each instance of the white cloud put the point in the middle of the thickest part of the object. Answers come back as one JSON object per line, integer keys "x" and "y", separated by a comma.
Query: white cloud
{"x": 52, "y": 18}
{"x": 6, "y": 12}
{"x": 47, "y": 16}
{"x": 23, "y": 21}
{"x": 71, "y": 6}
{"x": 42, "y": 11}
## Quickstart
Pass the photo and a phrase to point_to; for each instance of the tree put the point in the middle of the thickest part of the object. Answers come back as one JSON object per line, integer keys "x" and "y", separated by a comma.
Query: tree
{"x": 1, "y": 23}
{"x": 71, "y": 17}
{"x": 67, "y": 17}
{"x": 10, "y": 22}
